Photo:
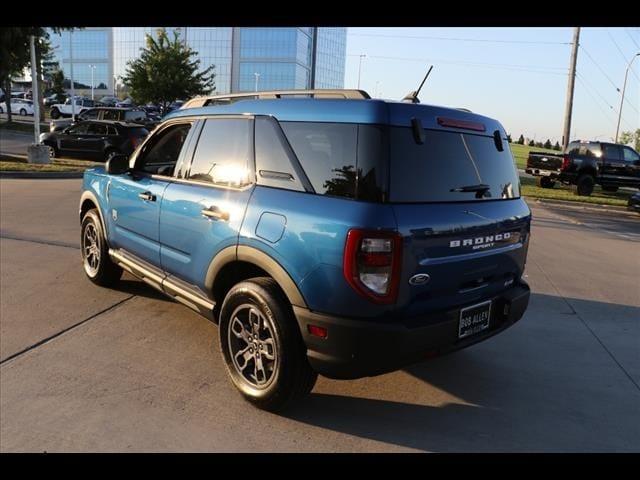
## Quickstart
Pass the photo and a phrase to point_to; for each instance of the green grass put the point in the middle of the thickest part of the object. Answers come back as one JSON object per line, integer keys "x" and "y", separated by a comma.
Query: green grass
{"x": 11, "y": 164}
{"x": 521, "y": 152}
{"x": 20, "y": 127}
{"x": 561, "y": 192}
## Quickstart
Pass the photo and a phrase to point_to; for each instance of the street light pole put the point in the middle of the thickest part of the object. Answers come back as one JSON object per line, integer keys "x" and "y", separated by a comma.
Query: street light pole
{"x": 73, "y": 91}
{"x": 257, "y": 75}
{"x": 624, "y": 86}
{"x": 93, "y": 69}
{"x": 34, "y": 96}
{"x": 360, "y": 68}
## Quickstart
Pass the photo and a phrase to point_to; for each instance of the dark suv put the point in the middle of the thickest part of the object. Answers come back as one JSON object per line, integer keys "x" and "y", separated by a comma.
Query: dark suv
{"x": 95, "y": 139}
{"x": 127, "y": 114}
{"x": 333, "y": 234}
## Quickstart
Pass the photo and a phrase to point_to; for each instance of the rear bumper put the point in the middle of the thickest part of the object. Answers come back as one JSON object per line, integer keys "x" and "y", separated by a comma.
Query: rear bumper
{"x": 360, "y": 348}
{"x": 540, "y": 172}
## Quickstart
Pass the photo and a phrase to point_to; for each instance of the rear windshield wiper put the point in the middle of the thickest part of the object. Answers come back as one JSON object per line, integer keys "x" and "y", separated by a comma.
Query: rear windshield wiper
{"x": 481, "y": 190}
{"x": 481, "y": 187}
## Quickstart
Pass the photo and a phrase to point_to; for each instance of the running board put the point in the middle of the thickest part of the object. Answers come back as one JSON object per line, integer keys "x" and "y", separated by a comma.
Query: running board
{"x": 174, "y": 288}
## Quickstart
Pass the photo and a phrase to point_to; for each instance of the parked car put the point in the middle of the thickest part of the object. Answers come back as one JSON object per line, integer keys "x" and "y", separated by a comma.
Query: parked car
{"x": 585, "y": 164}
{"x": 19, "y": 106}
{"x": 108, "y": 101}
{"x": 108, "y": 113}
{"x": 346, "y": 238}
{"x": 53, "y": 99}
{"x": 65, "y": 109}
{"x": 99, "y": 139}
{"x": 634, "y": 202}
{"x": 127, "y": 102}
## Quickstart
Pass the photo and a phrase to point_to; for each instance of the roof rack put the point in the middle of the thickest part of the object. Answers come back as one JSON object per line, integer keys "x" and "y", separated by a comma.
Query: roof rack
{"x": 274, "y": 94}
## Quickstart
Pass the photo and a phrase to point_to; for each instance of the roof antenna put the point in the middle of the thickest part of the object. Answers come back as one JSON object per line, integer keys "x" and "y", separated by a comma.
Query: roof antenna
{"x": 413, "y": 96}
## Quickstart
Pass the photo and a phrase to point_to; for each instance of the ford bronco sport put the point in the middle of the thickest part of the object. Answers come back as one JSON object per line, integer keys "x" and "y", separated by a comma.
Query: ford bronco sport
{"x": 332, "y": 234}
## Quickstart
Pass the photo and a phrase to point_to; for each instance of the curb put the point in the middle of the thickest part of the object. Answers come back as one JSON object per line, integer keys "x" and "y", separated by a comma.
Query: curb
{"x": 43, "y": 175}
{"x": 591, "y": 206}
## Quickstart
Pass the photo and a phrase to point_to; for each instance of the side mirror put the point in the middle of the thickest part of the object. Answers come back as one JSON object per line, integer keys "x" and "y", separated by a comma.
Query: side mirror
{"x": 117, "y": 165}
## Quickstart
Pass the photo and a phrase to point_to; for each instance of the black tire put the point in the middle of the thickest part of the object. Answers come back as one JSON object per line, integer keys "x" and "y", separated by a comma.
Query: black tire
{"x": 291, "y": 377}
{"x": 584, "y": 185}
{"x": 53, "y": 151}
{"x": 609, "y": 188}
{"x": 23, "y": 112}
{"x": 545, "y": 182}
{"x": 1, "y": 110}
{"x": 101, "y": 271}
{"x": 55, "y": 113}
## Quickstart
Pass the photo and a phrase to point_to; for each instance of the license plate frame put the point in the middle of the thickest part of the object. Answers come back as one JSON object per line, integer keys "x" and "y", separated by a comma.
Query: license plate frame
{"x": 474, "y": 319}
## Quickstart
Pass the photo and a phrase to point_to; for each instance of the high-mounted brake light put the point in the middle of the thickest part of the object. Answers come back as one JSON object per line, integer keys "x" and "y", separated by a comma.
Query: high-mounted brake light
{"x": 372, "y": 264}
{"x": 465, "y": 124}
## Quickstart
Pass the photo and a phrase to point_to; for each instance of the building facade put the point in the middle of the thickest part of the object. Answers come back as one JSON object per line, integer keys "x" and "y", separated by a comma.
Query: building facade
{"x": 245, "y": 58}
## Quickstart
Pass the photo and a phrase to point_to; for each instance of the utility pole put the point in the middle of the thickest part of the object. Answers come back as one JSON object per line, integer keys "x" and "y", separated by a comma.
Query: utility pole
{"x": 34, "y": 89}
{"x": 566, "y": 133}
{"x": 624, "y": 87}
{"x": 257, "y": 75}
{"x": 73, "y": 91}
{"x": 93, "y": 69}
{"x": 360, "y": 68}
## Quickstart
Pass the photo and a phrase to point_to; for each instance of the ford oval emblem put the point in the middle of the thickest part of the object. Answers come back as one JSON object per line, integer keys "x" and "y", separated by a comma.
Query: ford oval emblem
{"x": 419, "y": 279}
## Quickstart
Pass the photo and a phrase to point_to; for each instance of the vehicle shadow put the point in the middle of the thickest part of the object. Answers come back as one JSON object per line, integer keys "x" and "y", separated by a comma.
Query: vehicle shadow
{"x": 133, "y": 286}
{"x": 526, "y": 389}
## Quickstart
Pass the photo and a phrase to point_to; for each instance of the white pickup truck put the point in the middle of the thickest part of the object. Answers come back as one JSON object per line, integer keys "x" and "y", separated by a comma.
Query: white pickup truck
{"x": 64, "y": 109}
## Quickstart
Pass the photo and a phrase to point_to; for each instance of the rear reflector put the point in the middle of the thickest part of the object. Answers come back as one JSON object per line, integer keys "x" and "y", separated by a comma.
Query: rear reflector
{"x": 465, "y": 124}
{"x": 317, "y": 331}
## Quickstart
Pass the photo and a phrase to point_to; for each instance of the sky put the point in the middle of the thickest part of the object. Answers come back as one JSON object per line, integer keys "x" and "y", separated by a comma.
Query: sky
{"x": 516, "y": 75}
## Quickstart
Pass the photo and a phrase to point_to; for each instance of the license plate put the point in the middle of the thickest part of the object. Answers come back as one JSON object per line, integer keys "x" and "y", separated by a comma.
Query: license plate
{"x": 474, "y": 319}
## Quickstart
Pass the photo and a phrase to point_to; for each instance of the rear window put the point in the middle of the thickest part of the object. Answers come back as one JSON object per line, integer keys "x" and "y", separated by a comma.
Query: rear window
{"x": 584, "y": 149}
{"x": 446, "y": 164}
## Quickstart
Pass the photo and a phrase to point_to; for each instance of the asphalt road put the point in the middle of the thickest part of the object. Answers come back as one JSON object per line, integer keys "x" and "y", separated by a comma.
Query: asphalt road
{"x": 85, "y": 369}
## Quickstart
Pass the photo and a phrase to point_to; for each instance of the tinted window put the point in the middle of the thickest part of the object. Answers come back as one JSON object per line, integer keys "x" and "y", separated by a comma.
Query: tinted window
{"x": 161, "y": 154}
{"x": 630, "y": 155}
{"x": 223, "y": 153}
{"x": 79, "y": 129}
{"x": 89, "y": 114}
{"x": 446, "y": 162}
{"x": 97, "y": 129}
{"x": 112, "y": 130}
{"x": 111, "y": 115}
{"x": 134, "y": 115}
{"x": 274, "y": 165}
{"x": 611, "y": 152}
{"x": 327, "y": 152}
{"x": 585, "y": 149}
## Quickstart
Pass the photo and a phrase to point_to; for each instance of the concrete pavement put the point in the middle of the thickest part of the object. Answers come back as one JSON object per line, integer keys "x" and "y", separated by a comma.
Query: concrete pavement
{"x": 92, "y": 369}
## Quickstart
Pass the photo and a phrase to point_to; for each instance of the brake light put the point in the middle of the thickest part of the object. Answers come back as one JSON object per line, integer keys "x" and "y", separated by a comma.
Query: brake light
{"x": 372, "y": 264}
{"x": 566, "y": 161}
{"x": 465, "y": 124}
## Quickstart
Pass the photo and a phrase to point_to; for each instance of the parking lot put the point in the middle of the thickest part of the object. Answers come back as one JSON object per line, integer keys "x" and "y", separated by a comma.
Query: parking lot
{"x": 89, "y": 369}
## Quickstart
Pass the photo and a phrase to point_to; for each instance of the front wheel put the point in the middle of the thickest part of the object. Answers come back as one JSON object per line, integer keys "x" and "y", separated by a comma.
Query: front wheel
{"x": 55, "y": 113}
{"x": 23, "y": 112}
{"x": 262, "y": 346}
{"x": 95, "y": 252}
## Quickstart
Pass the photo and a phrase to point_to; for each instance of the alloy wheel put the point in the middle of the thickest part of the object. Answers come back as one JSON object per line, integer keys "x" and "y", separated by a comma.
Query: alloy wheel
{"x": 91, "y": 249}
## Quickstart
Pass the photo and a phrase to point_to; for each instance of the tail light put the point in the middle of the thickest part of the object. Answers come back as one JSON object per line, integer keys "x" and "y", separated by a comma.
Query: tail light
{"x": 372, "y": 264}
{"x": 566, "y": 161}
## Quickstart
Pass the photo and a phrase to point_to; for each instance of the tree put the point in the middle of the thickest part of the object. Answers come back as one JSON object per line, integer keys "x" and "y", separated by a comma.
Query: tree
{"x": 557, "y": 146}
{"x": 532, "y": 143}
{"x": 547, "y": 144}
{"x": 166, "y": 71}
{"x": 520, "y": 140}
{"x": 57, "y": 84}
{"x": 14, "y": 57}
{"x": 631, "y": 138}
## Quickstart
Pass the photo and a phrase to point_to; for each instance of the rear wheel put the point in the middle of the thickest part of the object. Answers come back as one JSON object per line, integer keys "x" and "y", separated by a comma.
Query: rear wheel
{"x": 609, "y": 188}
{"x": 109, "y": 154}
{"x": 23, "y": 112}
{"x": 262, "y": 347}
{"x": 95, "y": 252}
{"x": 584, "y": 185}
{"x": 55, "y": 113}
{"x": 53, "y": 151}
{"x": 545, "y": 182}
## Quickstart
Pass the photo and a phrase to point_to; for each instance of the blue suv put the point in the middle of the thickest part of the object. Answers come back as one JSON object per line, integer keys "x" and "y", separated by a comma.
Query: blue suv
{"x": 325, "y": 232}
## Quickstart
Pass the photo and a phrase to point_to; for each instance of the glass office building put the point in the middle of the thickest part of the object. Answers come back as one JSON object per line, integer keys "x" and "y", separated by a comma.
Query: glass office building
{"x": 245, "y": 58}
{"x": 91, "y": 50}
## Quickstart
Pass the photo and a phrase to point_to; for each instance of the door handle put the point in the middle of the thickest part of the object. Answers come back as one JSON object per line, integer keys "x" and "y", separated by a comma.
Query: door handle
{"x": 147, "y": 196}
{"x": 215, "y": 213}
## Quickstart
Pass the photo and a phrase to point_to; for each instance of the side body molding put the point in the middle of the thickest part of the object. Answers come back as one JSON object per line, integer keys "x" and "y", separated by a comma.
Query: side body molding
{"x": 247, "y": 254}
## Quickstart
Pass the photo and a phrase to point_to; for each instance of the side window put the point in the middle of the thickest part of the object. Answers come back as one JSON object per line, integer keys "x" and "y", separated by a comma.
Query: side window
{"x": 79, "y": 129}
{"x": 274, "y": 165}
{"x": 630, "y": 156}
{"x": 611, "y": 153}
{"x": 223, "y": 153}
{"x": 111, "y": 130}
{"x": 111, "y": 115}
{"x": 97, "y": 129}
{"x": 134, "y": 115}
{"x": 89, "y": 114}
{"x": 161, "y": 153}
{"x": 327, "y": 152}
